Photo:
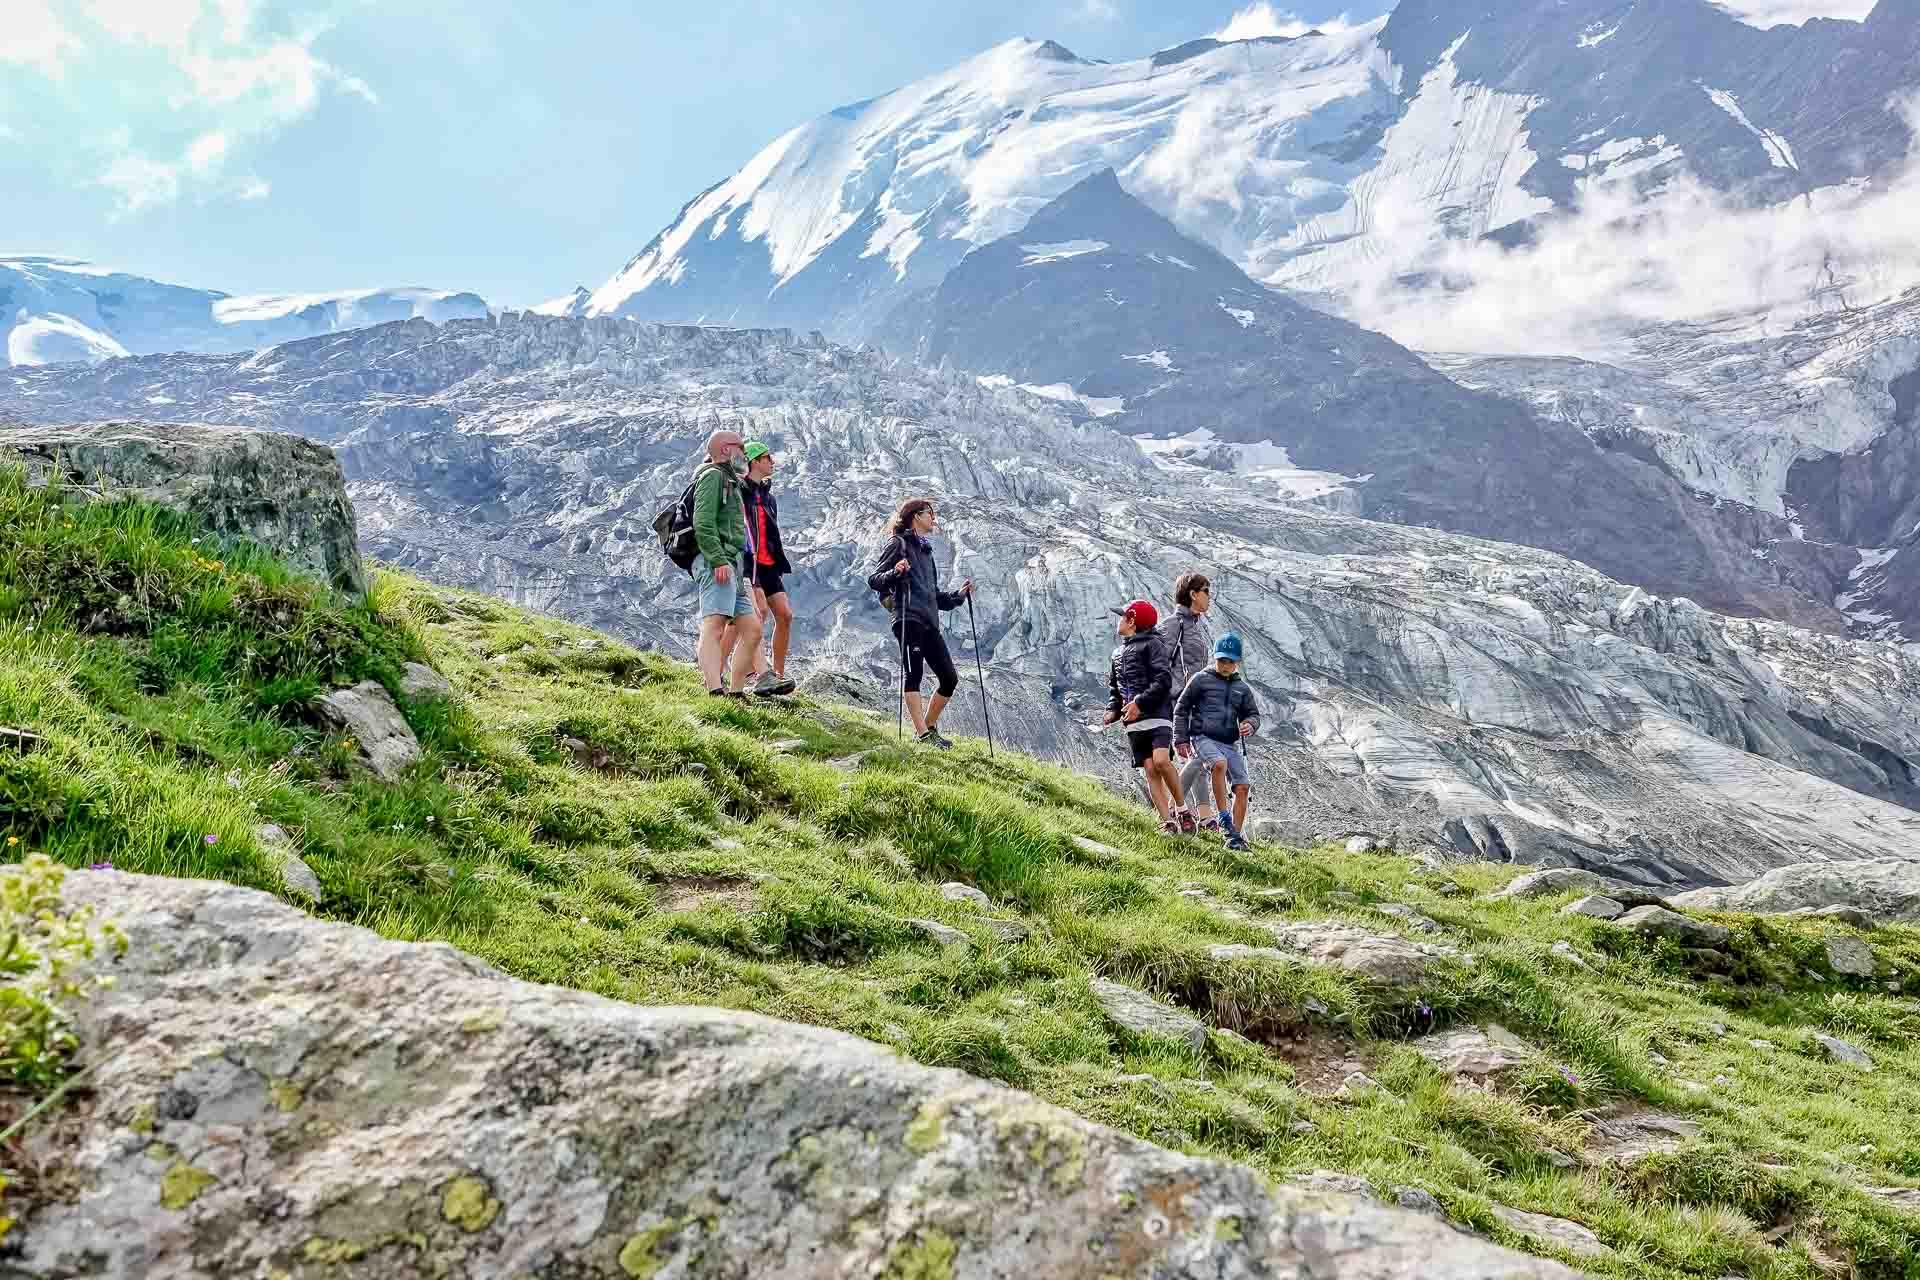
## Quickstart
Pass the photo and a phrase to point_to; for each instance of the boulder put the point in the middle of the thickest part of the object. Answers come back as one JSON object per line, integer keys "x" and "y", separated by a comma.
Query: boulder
{"x": 1471, "y": 1051}
{"x": 1596, "y": 906}
{"x": 396, "y": 1109}
{"x": 1885, "y": 890}
{"x": 383, "y": 740}
{"x": 1658, "y": 922}
{"x": 1382, "y": 958}
{"x": 1139, "y": 1014}
{"x": 1555, "y": 880}
{"x": 277, "y": 845}
{"x": 423, "y": 684}
{"x": 1850, "y": 957}
{"x": 1841, "y": 1051}
{"x": 1571, "y": 1236}
{"x": 281, "y": 491}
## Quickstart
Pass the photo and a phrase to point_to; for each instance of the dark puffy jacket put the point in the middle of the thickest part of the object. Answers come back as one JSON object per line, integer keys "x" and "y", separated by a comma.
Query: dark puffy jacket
{"x": 922, "y": 574}
{"x": 1188, "y": 642}
{"x": 1214, "y": 706}
{"x": 1140, "y": 674}
{"x": 759, "y": 498}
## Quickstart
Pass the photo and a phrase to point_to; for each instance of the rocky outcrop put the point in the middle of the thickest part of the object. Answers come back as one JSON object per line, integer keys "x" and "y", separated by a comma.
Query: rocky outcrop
{"x": 1886, "y": 890}
{"x": 380, "y": 1109}
{"x": 383, "y": 741}
{"x": 285, "y": 493}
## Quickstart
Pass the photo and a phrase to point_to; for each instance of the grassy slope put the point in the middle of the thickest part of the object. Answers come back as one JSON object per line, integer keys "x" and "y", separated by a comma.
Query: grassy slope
{"x": 687, "y": 861}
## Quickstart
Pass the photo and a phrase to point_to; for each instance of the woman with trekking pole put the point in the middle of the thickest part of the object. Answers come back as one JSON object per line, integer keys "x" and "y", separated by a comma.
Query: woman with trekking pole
{"x": 908, "y": 582}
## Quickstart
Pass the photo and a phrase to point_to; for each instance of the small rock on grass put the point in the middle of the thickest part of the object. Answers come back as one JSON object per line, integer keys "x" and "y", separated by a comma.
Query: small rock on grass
{"x": 1568, "y": 1235}
{"x": 1840, "y": 1051}
{"x": 1412, "y": 917}
{"x": 1542, "y": 884}
{"x": 943, "y": 934}
{"x": 1564, "y": 951}
{"x": 1384, "y": 959}
{"x": 1008, "y": 931}
{"x": 1658, "y": 922}
{"x": 1138, "y": 1013}
{"x": 1347, "y": 1184}
{"x": 277, "y": 845}
{"x": 385, "y": 743}
{"x": 423, "y": 684}
{"x": 1470, "y": 1051}
{"x": 1850, "y": 957}
{"x": 1095, "y": 848}
{"x": 954, "y": 891}
{"x": 1596, "y": 906}
{"x": 1419, "y": 1201}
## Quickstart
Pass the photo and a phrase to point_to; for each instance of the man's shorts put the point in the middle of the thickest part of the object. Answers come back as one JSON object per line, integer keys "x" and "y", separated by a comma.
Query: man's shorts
{"x": 1146, "y": 742}
{"x": 770, "y": 582}
{"x": 1207, "y": 751}
{"x": 730, "y": 599}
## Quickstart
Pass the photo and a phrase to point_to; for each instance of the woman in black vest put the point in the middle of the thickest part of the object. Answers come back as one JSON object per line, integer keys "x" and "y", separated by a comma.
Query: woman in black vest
{"x": 909, "y": 583}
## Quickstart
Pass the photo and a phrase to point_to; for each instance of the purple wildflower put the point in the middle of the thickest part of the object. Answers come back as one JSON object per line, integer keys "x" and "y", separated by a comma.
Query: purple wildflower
{"x": 211, "y": 839}
{"x": 99, "y": 866}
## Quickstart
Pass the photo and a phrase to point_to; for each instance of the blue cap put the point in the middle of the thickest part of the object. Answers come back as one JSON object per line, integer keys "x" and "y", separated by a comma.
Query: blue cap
{"x": 1228, "y": 647}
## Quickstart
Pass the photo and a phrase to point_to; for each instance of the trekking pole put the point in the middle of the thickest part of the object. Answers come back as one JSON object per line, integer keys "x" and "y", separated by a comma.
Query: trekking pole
{"x": 986, "y": 709}
{"x": 900, "y": 712}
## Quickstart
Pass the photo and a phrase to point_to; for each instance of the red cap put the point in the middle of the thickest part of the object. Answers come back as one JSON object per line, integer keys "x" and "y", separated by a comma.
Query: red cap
{"x": 1144, "y": 615}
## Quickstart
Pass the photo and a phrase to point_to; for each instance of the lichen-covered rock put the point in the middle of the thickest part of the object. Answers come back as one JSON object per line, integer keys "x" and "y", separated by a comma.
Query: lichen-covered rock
{"x": 1887, "y": 890}
{"x": 1568, "y": 1235}
{"x": 1658, "y": 922}
{"x": 1139, "y": 1014}
{"x": 1544, "y": 884}
{"x": 281, "y": 491}
{"x": 1629, "y": 1136}
{"x": 423, "y": 684}
{"x": 1842, "y": 1051}
{"x": 288, "y": 1097}
{"x": 1381, "y": 958}
{"x": 382, "y": 737}
{"x": 294, "y": 872}
{"x": 1850, "y": 957}
{"x": 1471, "y": 1051}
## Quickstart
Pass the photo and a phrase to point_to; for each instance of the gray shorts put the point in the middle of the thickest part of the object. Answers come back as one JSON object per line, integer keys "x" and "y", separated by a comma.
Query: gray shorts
{"x": 1207, "y": 751}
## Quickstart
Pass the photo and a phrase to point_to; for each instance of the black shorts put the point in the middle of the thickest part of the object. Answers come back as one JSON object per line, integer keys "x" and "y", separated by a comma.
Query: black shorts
{"x": 1146, "y": 742}
{"x": 926, "y": 647}
{"x": 768, "y": 580}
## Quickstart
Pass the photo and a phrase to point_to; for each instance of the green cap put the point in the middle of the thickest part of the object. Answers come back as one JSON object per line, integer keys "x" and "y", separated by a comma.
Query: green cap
{"x": 755, "y": 450}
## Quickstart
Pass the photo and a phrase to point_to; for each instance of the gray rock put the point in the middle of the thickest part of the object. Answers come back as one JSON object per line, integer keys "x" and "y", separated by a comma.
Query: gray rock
{"x": 285, "y": 493}
{"x": 1851, "y": 957}
{"x": 1265, "y": 830}
{"x": 1559, "y": 1159}
{"x": 1571, "y": 1236}
{"x": 1412, "y": 917}
{"x": 1274, "y": 897}
{"x": 385, "y": 743}
{"x": 278, "y": 847}
{"x": 1597, "y": 906}
{"x": 1418, "y": 1200}
{"x": 1624, "y": 1138}
{"x": 1357, "y": 1084}
{"x": 1884, "y": 890}
{"x": 943, "y": 934}
{"x": 1009, "y": 931}
{"x": 423, "y": 684}
{"x": 1557, "y": 880}
{"x": 1658, "y": 922}
{"x": 954, "y": 891}
{"x": 1239, "y": 952}
{"x": 1103, "y": 852}
{"x": 1840, "y": 1051}
{"x": 1139, "y": 1014}
{"x": 1360, "y": 844}
{"x": 400, "y": 1108}
{"x": 1380, "y": 958}
{"x": 1471, "y": 1051}
{"x": 1564, "y": 950}
{"x": 1905, "y": 1198}
{"x": 1346, "y": 1184}
{"x": 1845, "y": 915}
{"x": 786, "y": 746}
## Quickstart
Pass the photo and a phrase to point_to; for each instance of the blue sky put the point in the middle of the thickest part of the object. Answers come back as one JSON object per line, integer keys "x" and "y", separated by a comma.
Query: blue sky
{"x": 510, "y": 148}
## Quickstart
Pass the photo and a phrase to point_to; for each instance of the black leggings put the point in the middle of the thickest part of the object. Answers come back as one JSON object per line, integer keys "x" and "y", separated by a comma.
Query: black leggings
{"x": 926, "y": 647}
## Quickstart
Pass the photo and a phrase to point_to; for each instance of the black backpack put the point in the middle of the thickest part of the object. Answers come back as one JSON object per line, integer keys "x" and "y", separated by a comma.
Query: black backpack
{"x": 674, "y": 526}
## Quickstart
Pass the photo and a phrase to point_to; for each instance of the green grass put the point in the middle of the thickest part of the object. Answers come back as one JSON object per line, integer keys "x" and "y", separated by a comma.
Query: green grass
{"x": 690, "y": 863}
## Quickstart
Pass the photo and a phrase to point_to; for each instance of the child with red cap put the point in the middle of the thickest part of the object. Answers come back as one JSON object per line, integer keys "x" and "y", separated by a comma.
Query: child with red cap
{"x": 1140, "y": 685}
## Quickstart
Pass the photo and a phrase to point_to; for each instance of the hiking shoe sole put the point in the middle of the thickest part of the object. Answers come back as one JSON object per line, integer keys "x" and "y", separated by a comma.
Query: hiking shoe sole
{"x": 777, "y": 689}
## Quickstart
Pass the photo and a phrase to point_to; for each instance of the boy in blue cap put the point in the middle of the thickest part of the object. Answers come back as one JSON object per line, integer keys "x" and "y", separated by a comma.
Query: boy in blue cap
{"x": 1215, "y": 711}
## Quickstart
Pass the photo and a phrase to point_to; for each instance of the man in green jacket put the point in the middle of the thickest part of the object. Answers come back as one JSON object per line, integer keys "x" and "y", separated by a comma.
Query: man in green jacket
{"x": 722, "y": 570}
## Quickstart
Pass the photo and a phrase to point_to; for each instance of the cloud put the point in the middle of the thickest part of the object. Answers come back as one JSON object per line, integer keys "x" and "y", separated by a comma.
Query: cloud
{"x": 1097, "y": 11}
{"x": 1774, "y": 13}
{"x": 1262, "y": 20}
{"x": 156, "y": 100}
{"x": 1624, "y": 260}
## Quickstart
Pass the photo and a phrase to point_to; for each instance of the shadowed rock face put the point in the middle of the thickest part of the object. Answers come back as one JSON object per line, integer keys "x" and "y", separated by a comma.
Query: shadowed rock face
{"x": 390, "y": 1109}
{"x": 281, "y": 491}
{"x": 1436, "y": 691}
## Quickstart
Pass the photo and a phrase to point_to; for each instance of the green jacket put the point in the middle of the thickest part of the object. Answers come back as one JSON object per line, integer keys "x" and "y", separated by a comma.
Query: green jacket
{"x": 719, "y": 518}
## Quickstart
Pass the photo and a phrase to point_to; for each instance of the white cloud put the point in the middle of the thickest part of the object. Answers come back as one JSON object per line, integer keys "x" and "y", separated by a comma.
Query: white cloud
{"x": 1263, "y": 19}
{"x": 1097, "y": 11}
{"x": 1774, "y": 13}
{"x": 154, "y": 100}
{"x": 1625, "y": 260}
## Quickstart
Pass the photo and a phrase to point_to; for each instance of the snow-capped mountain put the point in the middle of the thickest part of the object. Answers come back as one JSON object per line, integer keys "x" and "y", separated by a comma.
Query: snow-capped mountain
{"x": 1350, "y": 163}
{"x": 54, "y": 310}
{"x": 1445, "y": 692}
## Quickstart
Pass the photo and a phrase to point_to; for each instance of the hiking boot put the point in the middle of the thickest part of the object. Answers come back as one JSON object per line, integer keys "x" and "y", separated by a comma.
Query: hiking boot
{"x": 932, "y": 738}
{"x": 1170, "y": 827}
{"x": 1210, "y": 824}
{"x": 1238, "y": 842}
{"x": 772, "y": 685}
{"x": 1187, "y": 825}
